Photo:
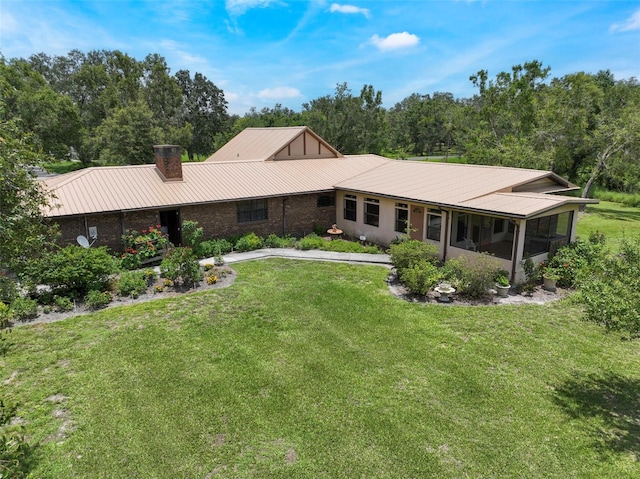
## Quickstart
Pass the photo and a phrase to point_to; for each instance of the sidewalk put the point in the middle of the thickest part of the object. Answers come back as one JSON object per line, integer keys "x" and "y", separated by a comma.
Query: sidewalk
{"x": 315, "y": 255}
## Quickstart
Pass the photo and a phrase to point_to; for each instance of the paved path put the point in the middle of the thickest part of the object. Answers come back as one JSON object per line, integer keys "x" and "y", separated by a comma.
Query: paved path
{"x": 314, "y": 254}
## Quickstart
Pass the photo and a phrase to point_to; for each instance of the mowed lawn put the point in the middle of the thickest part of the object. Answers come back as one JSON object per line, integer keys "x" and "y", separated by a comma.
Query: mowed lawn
{"x": 314, "y": 370}
{"x": 615, "y": 220}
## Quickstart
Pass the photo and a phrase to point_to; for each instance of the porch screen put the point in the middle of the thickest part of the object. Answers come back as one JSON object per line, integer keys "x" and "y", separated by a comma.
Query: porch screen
{"x": 546, "y": 234}
{"x": 481, "y": 233}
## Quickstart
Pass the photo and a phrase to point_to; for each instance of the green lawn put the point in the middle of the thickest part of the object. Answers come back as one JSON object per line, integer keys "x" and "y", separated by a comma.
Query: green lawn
{"x": 314, "y": 370}
{"x": 613, "y": 219}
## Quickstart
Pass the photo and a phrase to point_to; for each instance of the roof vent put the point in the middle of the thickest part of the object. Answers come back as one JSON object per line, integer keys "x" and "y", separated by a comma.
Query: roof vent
{"x": 169, "y": 161}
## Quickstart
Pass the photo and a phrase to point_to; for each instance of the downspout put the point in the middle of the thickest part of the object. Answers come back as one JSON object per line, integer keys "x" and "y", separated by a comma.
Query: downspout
{"x": 514, "y": 252}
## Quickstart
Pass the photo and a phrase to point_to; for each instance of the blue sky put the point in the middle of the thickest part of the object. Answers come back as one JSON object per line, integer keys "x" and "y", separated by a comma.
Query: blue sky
{"x": 263, "y": 52}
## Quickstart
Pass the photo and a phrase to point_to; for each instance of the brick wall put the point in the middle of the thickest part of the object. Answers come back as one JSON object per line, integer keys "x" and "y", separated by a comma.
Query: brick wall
{"x": 292, "y": 215}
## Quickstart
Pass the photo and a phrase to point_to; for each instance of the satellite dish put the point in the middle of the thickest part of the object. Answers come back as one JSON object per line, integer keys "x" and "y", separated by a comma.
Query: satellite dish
{"x": 84, "y": 242}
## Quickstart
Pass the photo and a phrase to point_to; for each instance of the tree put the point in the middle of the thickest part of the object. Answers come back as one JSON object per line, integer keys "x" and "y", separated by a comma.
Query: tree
{"x": 23, "y": 232}
{"x": 127, "y": 135}
{"x": 205, "y": 109}
{"x": 350, "y": 124}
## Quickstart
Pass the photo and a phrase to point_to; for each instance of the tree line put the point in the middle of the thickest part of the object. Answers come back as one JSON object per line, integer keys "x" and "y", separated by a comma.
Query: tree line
{"x": 105, "y": 107}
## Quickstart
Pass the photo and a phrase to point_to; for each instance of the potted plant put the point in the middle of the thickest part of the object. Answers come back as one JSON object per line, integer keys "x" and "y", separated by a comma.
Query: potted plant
{"x": 549, "y": 278}
{"x": 502, "y": 284}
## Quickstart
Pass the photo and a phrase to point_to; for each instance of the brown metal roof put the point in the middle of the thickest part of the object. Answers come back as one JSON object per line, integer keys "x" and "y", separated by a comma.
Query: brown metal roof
{"x": 125, "y": 188}
{"x": 262, "y": 144}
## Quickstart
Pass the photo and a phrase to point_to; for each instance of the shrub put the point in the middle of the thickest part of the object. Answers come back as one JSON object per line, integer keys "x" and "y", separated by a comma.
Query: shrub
{"x": 344, "y": 246}
{"x": 571, "y": 259}
{"x": 97, "y": 299}
{"x": 5, "y": 315}
{"x": 181, "y": 267}
{"x": 72, "y": 271}
{"x": 474, "y": 275}
{"x": 609, "y": 289}
{"x": 212, "y": 279}
{"x": 24, "y": 308}
{"x": 311, "y": 241}
{"x": 408, "y": 253}
{"x": 8, "y": 289}
{"x": 421, "y": 277}
{"x": 14, "y": 449}
{"x": 62, "y": 303}
{"x": 274, "y": 241}
{"x": 215, "y": 247}
{"x": 131, "y": 283}
{"x": 192, "y": 236}
{"x": 249, "y": 242}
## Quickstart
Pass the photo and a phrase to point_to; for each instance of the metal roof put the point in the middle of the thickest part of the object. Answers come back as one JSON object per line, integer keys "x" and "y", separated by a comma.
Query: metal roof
{"x": 462, "y": 186}
{"x": 126, "y": 188}
{"x": 262, "y": 144}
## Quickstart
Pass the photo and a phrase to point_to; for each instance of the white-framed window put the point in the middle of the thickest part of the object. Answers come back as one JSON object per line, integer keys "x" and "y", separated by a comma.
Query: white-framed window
{"x": 434, "y": 224}
{"x": 350, "y": 205}
{"x": 372, "y": 212}
{"x": 402, "y": 217}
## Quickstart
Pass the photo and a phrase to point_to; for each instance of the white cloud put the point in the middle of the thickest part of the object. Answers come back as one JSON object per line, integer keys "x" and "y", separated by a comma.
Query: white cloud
{"x": 349, "y": 9}
{"x": 279, "y": 92}
{"x": 395, "y": 41}
{"x": 240, "y": 7}
{"x": 630, "y": 24}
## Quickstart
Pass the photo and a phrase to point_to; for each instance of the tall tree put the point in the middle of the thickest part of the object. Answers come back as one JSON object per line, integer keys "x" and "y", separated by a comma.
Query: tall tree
{"x": 205, "y": 109}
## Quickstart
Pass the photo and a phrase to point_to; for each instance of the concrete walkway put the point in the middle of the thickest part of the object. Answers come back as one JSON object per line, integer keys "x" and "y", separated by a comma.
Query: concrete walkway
{"x": 314, "y": 254}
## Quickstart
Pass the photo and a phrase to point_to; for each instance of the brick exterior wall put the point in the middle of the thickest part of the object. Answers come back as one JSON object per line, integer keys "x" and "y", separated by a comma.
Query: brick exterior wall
{"x": 218, "y": 220}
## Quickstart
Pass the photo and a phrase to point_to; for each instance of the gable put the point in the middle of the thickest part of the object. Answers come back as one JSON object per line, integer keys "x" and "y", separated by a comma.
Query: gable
{"x": 306, "y": 145}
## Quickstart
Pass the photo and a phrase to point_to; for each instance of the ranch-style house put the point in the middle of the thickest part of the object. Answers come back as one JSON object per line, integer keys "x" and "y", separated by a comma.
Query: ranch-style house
{"x": 289, "y": 180}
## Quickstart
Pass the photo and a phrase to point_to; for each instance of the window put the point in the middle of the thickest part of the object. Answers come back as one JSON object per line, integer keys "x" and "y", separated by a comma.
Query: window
{"x": 434, "y": 224}
{"x": 252, "y": 210}
{"x": 402, "y": 217}
{"x": 350, "y": 207}
{"x": 326, "y": 200}
{"x": 372, "y": 212}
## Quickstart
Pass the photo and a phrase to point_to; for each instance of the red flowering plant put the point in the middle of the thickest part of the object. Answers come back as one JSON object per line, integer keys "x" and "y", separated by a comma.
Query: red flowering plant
{"x": 141, "y": 246}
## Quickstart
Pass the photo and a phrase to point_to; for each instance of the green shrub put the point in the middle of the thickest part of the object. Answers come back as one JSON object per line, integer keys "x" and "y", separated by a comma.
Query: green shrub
{"x": 608, "y": 289}
{"x": 573, "y": 258}
{"x": 5, "y": 315}
{"x": 8, "y": 289}
{"x": 421, "y": 277}
{"x": 473, "y": 275}
{"x": 216, "y": 247}
{"x": 192, "y": 236}
{"x": 131, "y": 283}
{"x": 72, "y": 271}
{"x": 62, "y": 303}
{"x": 24, "y": 308}
{"x": 311, "y": 241}
{"x": 181, "y": 267}
{"x": 14, "y": 449}
{"x": 249, "y": 242}
{"x": 274, "y": 241}
{"x": 97, "y": 299}
{"x": 408, "y": 253}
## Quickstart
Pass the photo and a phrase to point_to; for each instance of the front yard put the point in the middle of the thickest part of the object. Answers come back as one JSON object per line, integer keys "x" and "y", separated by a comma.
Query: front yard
{"x": 304, "y": 369}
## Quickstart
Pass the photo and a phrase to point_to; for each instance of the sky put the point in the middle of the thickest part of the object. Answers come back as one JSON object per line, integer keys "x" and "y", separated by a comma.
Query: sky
{"x": 264, "y": 52}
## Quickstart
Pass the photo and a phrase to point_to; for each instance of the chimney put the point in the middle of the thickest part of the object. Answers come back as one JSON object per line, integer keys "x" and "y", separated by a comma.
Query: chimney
{"x": 168, "y": 161}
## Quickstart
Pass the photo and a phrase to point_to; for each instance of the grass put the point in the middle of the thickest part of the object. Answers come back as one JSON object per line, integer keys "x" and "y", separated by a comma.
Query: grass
{"x": 314, "y": 370}
{"x": 615, "y": 220}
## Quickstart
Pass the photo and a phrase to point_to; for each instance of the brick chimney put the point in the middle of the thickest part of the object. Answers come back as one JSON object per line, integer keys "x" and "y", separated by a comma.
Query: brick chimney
{"x": 168, "y": 161}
